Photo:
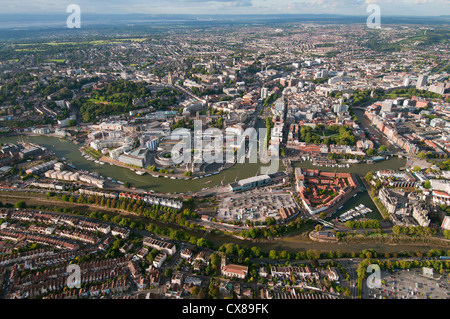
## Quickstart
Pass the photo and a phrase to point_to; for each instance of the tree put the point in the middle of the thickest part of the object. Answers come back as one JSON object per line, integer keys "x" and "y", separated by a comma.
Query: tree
{"x": 427, "y": 184}
{"x": 383, "y": 148}
{"x": 273, "y": 254}
{"x": 194, "y": 290}
{"x": 215, "y": 260}
{"x": 20, "y": 204}
{"x": 369, "y": 176}
{"x": 447, "y": 233}
{"x": 201, "y": 242}
{"x": 270, "y": 221}
{"x": 213, "y": 290}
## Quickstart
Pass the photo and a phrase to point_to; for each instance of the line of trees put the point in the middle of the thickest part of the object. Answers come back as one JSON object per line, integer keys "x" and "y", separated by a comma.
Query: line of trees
{"x": 156, "y": 212}
{"x": 371, "y": 223}
{"x": 273, "y": 230}
{"x": 413, "y": 230}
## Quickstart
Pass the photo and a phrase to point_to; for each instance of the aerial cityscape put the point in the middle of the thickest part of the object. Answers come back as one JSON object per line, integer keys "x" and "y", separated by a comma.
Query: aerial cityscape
{"x": 243, "y": 157}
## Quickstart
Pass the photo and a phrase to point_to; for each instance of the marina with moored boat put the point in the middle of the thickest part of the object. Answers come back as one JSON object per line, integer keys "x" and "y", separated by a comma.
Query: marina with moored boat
{"x": 360, "y": 210}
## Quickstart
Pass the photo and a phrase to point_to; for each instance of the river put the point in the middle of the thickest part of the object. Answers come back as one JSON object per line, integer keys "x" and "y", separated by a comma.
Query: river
{"x": 362, "y": 169}
{"x": 393, "y": 163}
{"x": 365, "y": 124}
{"x": 70, "y": 151}
{"x": 64, "y": 148}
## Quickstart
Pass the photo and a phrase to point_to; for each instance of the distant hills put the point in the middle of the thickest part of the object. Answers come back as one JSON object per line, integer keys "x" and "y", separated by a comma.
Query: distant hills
{"x": 59, "y": 20}
{"x": 21, "y": 26}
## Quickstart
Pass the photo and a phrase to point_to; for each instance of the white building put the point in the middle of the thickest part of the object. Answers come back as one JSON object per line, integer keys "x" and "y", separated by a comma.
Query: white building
{"x": 159, "y": 259}
{"x": 446, "y": 223}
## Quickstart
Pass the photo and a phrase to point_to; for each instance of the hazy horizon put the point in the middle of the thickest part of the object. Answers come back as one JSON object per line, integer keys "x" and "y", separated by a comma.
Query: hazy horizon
{"x": 28, "y": 20}
{"x": 233, "y": 7}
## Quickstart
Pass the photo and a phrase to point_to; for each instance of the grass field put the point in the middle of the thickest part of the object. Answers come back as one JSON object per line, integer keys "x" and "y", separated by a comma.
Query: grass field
{"x": 93, "y": 42}
{"x": 56, "y": 60}
{"x": 106, "y": 102}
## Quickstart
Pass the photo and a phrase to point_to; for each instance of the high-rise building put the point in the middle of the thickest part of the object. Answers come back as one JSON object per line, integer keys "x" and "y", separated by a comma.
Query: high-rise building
{"x": 264, "y": 92}
{"x": 386, "y": 106}
{"x": 421, "y": 81}
{"x": 406, "y": 82}
{"x": 340, "y": 108}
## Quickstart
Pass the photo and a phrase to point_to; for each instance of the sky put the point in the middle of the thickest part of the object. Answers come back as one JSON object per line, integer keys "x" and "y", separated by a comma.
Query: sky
{"x": 217, "y": 7}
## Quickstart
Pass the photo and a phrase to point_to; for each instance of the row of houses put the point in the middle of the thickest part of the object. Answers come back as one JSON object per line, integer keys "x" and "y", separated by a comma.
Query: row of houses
{"x": 89, "y": 277}
{"x": 89, "y": 192}
{"x": 39, "y": 239}
{"x": 109, "y": 288}
{"x": 16, "y": 258}
{"x": 152, "y": 200}
{"x": 166, "y": 247}
{"x": 98, "y": 276}
{"x": 51, "y": 260}
{"x": 392, "y": 133}
{"x": 54, "y": 219}
{"x": 53, "y": 290}
{"x": 78, "y": 236}
{"x": 292, "y": 294}
{"x": 302, "y": 272}
{"x": 74, "y": 177}
{"x": 41, "y": 168}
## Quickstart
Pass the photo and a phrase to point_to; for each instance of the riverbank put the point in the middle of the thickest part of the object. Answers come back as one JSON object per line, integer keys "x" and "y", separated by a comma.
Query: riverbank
{"x": 66, "y": 149}
{"x": 380, "y": 206}
{"x": 292, "y": 244}
{"x": 393, "y": 163}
